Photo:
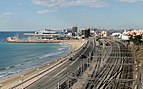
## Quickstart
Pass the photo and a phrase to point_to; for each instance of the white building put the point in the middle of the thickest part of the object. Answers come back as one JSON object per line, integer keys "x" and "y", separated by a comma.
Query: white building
{"x": 125, "y": 37}
{"x": 104, "y": 33}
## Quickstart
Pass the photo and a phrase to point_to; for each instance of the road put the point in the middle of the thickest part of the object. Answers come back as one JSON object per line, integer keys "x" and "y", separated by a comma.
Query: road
{"x": 114, "y": 68}
{"x": 61, "y": 74}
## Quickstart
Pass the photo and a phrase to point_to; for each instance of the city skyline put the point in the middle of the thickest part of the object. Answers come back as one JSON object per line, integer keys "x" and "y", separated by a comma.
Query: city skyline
{"x": 31, "y": 15}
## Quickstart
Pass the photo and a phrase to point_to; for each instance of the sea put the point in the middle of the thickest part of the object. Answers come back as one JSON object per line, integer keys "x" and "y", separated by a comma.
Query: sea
{"x": 18, "y": 57}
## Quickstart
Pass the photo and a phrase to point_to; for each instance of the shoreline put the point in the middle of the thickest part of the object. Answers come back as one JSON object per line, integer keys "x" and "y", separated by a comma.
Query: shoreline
{"x": 12, "y": 69}
{"x": 22, "y": 76}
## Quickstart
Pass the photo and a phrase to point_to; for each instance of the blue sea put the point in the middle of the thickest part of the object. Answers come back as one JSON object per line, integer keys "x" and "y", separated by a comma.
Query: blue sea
{"x": 17, "y": 57}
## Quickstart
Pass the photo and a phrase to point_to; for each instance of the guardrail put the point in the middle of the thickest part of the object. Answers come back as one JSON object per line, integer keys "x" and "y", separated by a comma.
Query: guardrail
{"x": 53, "y": 66}
{"x": 78, "y": 73}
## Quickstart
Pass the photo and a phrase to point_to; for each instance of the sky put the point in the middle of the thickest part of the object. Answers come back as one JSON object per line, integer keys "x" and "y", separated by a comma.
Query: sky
{"x": 32, "y": 15}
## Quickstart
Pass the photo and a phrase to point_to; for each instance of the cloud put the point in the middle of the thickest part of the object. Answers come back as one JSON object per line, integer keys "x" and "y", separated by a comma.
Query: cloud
{"x": 57, "y": 4}
{"x": 8, "y": 14}
{"x": 45, "y": 11}
{"x": 131, "y": 1}
{"x": 69, "y": 3}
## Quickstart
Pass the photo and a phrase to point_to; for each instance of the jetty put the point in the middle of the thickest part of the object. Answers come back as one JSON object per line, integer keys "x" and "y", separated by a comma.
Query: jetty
{"x": 45, "y": 36}
{"x": 11, "y": 40}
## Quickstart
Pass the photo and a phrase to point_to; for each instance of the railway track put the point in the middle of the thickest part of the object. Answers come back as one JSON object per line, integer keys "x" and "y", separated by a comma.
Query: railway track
{"x": 59, "y": 78}
{"x": 116, "y": 71}
{"x": 84, "y": 64}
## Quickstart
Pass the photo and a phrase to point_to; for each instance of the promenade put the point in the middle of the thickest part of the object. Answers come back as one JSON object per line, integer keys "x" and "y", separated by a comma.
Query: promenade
{"x": 38, "y": 72}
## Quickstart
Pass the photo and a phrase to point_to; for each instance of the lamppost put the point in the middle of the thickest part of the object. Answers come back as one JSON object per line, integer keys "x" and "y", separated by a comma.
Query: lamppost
{"x": 0, "y": 85}
{"x": 37, "y": 72}
{"x": 48, "y": 64}
{"x": 58, "y": 85}
{"x": 68, "y": 81}
{"x": 22, "y": 80}
{"x": 81, "y": 67}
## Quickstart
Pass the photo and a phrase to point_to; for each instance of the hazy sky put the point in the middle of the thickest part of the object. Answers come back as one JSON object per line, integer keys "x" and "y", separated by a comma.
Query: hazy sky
{"x": 19, "y": 15}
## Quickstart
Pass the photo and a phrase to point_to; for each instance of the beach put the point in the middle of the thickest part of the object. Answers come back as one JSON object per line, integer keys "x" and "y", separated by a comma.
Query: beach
{"x": 23, "y": 76}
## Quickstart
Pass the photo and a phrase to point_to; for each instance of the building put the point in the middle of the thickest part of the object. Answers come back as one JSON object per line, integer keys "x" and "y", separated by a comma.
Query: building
{"x": 46, "y": 34}
{"x": 74, "y": 29}
{"x": 125, "y": 37}
{"x": 67, "y": 30}
{"x": 104, "y": 33}
{"x": 86, "y": 33}
{"x": 49, "y": 31}
{"x": 126, "y": 34}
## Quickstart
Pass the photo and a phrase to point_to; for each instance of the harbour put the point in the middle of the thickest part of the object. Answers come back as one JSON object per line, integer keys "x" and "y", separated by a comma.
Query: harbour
{"x": 28, "y": 58}
{"x": 71, "y": 44}
{"x": 17, "y": 57}
{"x": 46, "y": 36}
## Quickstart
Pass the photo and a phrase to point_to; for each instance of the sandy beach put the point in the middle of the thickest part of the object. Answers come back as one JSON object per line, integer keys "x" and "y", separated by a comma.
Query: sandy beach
{"x": 23, "y": 76}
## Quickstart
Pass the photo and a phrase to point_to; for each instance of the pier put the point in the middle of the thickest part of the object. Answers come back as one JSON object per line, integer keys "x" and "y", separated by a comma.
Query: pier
{"x": 32, "y": 41}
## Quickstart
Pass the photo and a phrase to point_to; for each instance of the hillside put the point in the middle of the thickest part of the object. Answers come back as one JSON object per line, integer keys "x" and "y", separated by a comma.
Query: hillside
{"x": 137, "y": 51}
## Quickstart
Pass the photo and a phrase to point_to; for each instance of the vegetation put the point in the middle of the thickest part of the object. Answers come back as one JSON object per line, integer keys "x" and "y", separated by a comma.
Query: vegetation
{"x": 137, "y": 47}
{"x": 137, "y": 40}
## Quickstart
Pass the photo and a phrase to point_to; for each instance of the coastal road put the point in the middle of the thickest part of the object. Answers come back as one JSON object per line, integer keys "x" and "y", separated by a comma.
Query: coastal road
{"x": 61, "y": 73}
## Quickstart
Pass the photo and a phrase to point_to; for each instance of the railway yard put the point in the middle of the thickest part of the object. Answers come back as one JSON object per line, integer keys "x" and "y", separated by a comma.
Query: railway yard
{"x": 115, "y": 68}
{"x": 110, "y": 66}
